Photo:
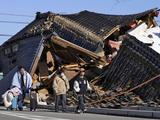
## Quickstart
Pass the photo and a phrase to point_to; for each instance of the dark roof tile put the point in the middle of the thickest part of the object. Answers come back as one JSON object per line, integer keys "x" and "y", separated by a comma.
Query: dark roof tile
{"x": 95, "y": 22}
{"x": 99, "y": 23}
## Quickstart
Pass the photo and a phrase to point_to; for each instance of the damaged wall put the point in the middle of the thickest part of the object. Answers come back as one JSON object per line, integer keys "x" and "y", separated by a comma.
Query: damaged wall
{"x": 134, "y": 64}
{"x": 26, "y": 51}
{"x": 87, "y": 30}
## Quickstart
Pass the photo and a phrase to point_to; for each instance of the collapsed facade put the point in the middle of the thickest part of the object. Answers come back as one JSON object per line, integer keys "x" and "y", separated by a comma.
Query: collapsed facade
{"x": 114, "y": 61}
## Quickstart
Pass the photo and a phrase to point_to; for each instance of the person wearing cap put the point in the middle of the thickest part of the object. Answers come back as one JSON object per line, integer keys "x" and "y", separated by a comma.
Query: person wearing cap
{"x": 81, "y": 85}
{"x": 60, "y": 87}
{"x": 23, "y": 80}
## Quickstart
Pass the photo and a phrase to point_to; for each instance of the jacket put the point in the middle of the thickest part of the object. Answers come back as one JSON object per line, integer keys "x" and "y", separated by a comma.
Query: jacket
{"x": 81, "y": 85}
{"x": 27, "y": 81}
{"x": 9, "y": 95}
{"x": 60, "y": 84}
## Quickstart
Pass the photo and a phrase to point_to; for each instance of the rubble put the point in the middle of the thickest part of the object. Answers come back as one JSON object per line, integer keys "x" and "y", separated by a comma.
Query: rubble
{"x": 121, "y": 69}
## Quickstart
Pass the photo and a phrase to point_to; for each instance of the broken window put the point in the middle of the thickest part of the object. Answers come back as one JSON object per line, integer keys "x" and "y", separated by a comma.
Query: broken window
{"x": 1, "y": 75}
{"x": 13, "y": 61}
{"x": 15, "y": 48}
{"x": 7, "y": 51}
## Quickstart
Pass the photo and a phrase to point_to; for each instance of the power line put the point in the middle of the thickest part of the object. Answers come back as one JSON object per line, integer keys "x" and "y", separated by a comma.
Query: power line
{"x": 11, "y": 14}
{"x": 6, "y": 35}
{"x": 117, "y": 2}
{"x": 15, "y": 22}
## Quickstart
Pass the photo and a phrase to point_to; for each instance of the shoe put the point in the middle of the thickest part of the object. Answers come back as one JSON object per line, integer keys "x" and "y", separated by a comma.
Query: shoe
{"x": 9, "y": 108}
{"x": 32, "y": 110}
{"x": 56, "y": 110}
{"x": 78, "y": 111}
{"x": 85, "y": 110}
{"x": 20, "y": 109}
{"x": 13, "y": 109}
{"x": 64, "y": 111}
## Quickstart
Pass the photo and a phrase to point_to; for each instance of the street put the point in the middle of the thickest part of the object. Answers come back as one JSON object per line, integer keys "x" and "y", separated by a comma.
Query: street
{"x": 51, "y": 115}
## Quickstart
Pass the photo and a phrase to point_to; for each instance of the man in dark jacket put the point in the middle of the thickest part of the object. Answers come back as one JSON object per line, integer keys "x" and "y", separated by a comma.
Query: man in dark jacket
{"x": 81, "y": 86}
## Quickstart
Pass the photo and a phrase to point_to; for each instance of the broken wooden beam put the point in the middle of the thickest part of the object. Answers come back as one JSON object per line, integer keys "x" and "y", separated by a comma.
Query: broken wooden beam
{"x": 68, "y": 45}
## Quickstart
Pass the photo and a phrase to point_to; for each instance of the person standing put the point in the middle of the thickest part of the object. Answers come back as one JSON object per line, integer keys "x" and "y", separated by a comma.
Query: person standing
{"x": 81, "y": 85}
{"x": 60, "y": 86}
{"x": 23, "y": 80}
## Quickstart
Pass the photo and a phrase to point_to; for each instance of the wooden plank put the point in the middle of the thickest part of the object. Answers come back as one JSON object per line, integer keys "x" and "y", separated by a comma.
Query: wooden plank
{"x": 36, "y": 60}
{"x": 43, "y": 69}
{"x": 65, "y": 44}
{"x": 111, "y": 32}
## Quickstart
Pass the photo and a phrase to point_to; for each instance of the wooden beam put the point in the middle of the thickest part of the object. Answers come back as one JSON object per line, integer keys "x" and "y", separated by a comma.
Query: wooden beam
{"x": 36, "y": 60}
{"x": 65, "y": 44}
{"x": 111, "y": 32}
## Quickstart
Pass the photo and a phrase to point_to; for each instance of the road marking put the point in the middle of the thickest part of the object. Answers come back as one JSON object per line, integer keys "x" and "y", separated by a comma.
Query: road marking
{"x": 30, "y": 117}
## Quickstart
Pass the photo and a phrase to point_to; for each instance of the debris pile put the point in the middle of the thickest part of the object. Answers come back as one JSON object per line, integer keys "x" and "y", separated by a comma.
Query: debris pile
{"x": 115, "y": 59}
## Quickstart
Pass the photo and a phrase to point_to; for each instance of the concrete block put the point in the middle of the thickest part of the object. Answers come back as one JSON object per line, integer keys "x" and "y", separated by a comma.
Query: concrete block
{"x": 97, "y": 110}
{"x": 140, "y": 113}
{"x": 156, "y": 114}
{"x": 122, "y": 112}
{"x": 71, "y": 109}
{"x": 107, "y": 111}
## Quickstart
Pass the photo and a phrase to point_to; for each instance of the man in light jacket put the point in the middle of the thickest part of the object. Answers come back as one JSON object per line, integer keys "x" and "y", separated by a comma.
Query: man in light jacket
{"x": 23, "y": 80}
{"x": 81, "y": 86}
{"x": 60, "y": 86}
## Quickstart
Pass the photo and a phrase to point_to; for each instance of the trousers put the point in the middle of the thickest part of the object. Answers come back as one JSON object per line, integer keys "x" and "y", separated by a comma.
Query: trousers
{"x": 14, "y": 102}
{"x": 81, "y": 105}
{"x": 60, "y": 99}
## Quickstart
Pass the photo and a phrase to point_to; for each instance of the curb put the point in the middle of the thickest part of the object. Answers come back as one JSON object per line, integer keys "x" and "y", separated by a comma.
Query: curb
{"x": 108, "y": 111}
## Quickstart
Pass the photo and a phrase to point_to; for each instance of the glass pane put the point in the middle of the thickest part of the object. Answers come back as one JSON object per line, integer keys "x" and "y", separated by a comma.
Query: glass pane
{"x": 15, "y": 48}
{"x": 1, "y": 76}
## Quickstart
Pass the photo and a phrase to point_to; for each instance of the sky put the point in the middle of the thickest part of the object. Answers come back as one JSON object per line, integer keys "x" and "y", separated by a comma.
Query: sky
{"x": 26, "y": 9}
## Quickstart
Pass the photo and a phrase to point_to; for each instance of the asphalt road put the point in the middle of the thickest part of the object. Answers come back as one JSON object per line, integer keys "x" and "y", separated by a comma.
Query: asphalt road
{"x": 51, "y": 115}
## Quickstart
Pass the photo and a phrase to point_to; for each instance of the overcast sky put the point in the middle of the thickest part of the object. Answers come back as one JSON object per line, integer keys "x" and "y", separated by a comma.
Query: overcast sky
{"x": 29, "y": 7}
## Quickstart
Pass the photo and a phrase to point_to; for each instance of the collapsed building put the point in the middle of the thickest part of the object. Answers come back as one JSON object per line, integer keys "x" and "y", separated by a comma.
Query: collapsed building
{"x": 115, "y": 61}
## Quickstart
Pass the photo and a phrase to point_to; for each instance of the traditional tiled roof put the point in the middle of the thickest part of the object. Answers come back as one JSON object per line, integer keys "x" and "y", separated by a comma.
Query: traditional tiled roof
{"x": 100, "y": 23}
{"x": 134, "y": 64}
{"x": 94, "y": 22}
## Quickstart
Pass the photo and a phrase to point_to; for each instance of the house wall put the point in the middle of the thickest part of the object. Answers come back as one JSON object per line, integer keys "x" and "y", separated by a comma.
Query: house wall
{"x": 134, "y": 64}
{"x": 27, "y": 49}
{"x": 25, "y": 56}
{"x": 0, "y": 65}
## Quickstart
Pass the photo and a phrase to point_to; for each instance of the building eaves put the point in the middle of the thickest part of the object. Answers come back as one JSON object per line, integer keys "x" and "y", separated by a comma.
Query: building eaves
{"x": 100, "y": 23}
